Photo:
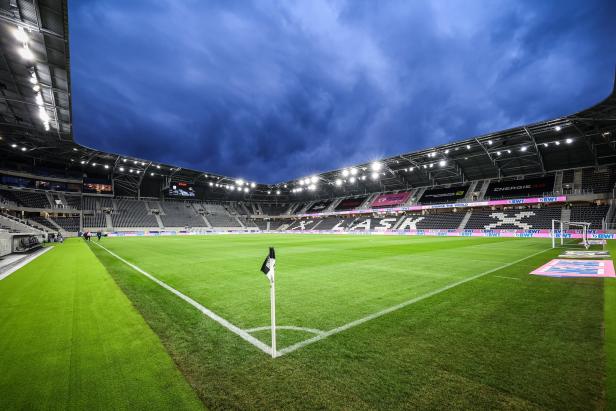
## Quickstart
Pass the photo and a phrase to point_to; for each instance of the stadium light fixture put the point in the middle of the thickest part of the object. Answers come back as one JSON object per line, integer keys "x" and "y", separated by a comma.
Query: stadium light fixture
{"x": 106, "y": 166}
{"x": 312, "y": 187}
{"x": 353, "y": 171}
{"x": 508, "y": 151}
{"x": 345, "y": 172}
{"x": 277, "y": 192}
{"x": 152, "y": 175}
{"x": 468, "y": 146}
{"x": 246, "y": 189}
{"x": 557, "y": 143}
{"x": 38, "y": 99}
{"x": 252, "y": 185}
{"x": 211, "y": 183}
{"x": 425, "y": 166}
{"x": 285, "y": 186}
{"x": 431, "y": 165}
{"x": 83, "y": 161}
{"x": 545, "y": 144}
{"x": 376, "y": 166}
{"x": 124, "y": 160}
{"x": 558, "y": 128}
{"x": 23, "y": 149}
{"x": 26, "y": 53}
{"x": 158, "y": 167}
{"x": 21, "y": 35}
{"x": 411, "y": 169}
{"x": 523, "y": 149}
{"x": 138, "y": 171}
{"x": 46, "y": 125}
{"x": 239, "y": 182}
{"x": 130, "y": 170}
{"x": 93, "y": 164}
{"x": 489, "y": 142}
{"x": 314, "y": 179}
{"x": 338, "y": 182}
{"x": 498, "y": 153}
{"x": 36, "y": 88}
{"x": 569, "y": 141}
{"x": 374, "y": 175}
{"x": 442, "y": 163}
{"x": 363, "y": 177}
{"x": 43, "y": 114}
{"x": 352, "y": 180}
{"x": 15, "y": 145}
{"x": 447, "y": 151}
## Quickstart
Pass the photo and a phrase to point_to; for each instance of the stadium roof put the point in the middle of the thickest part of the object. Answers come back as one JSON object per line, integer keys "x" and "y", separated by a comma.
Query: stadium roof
{"x": 36, "y": 126}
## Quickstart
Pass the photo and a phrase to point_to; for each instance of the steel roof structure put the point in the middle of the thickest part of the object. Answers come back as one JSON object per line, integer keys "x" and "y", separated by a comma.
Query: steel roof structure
{"x": 36, "y": 127}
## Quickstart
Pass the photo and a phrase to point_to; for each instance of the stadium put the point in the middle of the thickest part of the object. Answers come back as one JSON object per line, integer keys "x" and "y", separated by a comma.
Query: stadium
{"x": 475, "y": 274}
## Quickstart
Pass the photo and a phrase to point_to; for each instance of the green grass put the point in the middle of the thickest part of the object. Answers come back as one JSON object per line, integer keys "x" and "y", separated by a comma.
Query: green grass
{"x": 70, "y": 339}
{"x": 523, "y": 343}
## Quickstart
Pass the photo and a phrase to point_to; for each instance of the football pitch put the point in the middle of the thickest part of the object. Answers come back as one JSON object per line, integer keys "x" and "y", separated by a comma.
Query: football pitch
{"x": 364, "y": 322}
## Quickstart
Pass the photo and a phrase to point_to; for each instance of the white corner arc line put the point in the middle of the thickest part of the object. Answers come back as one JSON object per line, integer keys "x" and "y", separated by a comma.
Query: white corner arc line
{"x": 285, "y": 327}
{"x": 209, "y": 313}
{"x": 381, "y": 313}
{"x": 25, "y": 262}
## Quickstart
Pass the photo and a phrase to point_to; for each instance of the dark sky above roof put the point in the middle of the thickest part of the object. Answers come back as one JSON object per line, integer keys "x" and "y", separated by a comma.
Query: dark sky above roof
{"x": 274, "y": 90}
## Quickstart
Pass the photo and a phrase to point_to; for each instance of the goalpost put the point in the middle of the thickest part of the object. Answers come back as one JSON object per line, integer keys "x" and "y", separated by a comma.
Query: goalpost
{"x": 559, "y": 227}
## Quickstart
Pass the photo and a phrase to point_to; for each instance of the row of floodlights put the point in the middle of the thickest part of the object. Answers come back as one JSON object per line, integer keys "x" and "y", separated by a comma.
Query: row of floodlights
{"x": 26, "y": 53}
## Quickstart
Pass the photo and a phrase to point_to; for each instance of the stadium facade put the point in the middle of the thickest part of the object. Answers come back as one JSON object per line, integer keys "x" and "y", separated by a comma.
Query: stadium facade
{"x": 515, "y": 180}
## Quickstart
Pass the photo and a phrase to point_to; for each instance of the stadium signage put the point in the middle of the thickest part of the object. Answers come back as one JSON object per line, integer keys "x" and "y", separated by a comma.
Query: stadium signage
{"x": 447, "y": 195}
{"x": 532, "y": 186}
{"x": 532, "y": 200}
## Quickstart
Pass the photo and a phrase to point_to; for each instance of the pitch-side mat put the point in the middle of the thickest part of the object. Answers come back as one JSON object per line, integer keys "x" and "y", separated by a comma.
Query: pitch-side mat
{"x": 318, "y": 335}
{"x": 576, "y": 268}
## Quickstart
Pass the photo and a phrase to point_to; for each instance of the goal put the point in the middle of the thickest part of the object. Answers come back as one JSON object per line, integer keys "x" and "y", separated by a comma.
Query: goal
{"x": 560, "y": 238}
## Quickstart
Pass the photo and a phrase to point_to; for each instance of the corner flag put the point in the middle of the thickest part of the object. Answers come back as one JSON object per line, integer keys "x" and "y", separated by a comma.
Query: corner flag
{"x": 269, "y": 269}
{"x": 269, "y": 265}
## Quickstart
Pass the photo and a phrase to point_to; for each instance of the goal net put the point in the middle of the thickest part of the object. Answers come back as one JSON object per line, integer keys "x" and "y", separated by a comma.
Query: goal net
{"x": 570, "y": 234}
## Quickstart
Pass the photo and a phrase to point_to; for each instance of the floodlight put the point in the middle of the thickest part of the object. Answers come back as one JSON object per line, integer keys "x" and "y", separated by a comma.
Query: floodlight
{"x": 468, "y": 146}
{"x": 38, "y": 99}
{"x": 568, "y": 141}
{"x": 277, "y": 192}
{"x": 345, "y": 172}
{"x": 246, "y": 189}
{"x": 23, "y": 149}
{"x": 338, "y": 182}
{"x": 557, "y": 143}
{"x": 43, "y": 114}
{"x": 312, "y": 187}
{"x": 352, "y": 180}
{"x": 26, "y": 53}
{"x": 442, "y": 163}
{"x": 498, "y": 153}
{"x": 152, "y": 175}
{"x": 558, "y": 128}
{"x": 508, "y": 151}
{"x": 36, "y": 88}
{"x": 489, "y": 142}
{"x": 15, "y": 145}
{"x": 211, "y": 184}
{"x": 239, "y": 182}
{"x": 376, "y": 166}
{"x": 353, "y": 171}
{"x": 130, "y": 170}
{"x": 106, "y": 166}
{"x": 411, "y": 169}
{"x": 21, "y": 35}
{"x": 158, "y": 167}
{"x": 447, "y": 151}
{"x": 121, "y": 168}
{"x": 363, "y": 177}
{"x": 524, "y": 149}
{"x": 545, "y": 144}
{"x": 269, "y": 192}
{"x": 253, "y": 185}
{"x": 46, "y": 125}
{"x": 285, "y": 186}
{"x": 374, "y": 175}
{"x": 314, "y": 179}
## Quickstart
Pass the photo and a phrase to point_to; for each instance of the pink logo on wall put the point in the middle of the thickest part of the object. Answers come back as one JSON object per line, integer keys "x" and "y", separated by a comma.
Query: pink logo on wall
{"x": 385, "y": 200}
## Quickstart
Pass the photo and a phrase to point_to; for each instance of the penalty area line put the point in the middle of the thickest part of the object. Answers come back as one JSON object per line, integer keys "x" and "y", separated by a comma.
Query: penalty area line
{"x": 381, "y": 313}
{"x": 209, "y": 313}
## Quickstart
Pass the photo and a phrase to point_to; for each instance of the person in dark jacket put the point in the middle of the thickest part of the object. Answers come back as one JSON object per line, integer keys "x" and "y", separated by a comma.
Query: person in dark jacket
{"x": 99, "y": 235}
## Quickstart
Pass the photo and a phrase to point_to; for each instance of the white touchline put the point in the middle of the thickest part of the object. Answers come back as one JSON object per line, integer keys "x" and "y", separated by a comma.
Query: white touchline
{"x": 231, "y": 327}
{"x": 25, "y": 261}
{"x": 381, "y": 313}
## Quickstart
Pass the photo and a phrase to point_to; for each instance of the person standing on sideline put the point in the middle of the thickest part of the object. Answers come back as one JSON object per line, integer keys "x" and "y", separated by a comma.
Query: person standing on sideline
{"x": 99, "y": 235}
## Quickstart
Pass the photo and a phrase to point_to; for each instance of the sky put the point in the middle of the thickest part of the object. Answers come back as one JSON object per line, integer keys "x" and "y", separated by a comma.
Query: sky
{"x": 275, "y": 90}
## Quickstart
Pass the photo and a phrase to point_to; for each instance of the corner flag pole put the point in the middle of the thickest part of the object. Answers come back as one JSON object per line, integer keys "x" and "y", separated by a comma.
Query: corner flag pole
{"x": 269, "y": 269}
{"x": 273, "y": 310}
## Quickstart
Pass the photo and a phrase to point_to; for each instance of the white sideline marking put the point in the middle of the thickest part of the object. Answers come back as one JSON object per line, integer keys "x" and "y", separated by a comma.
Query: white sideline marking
{"x": 507, "y": 278}
{"x": 231, "y": 327}
{"x": 381, "y": 313}
{"x": 25, "y": 262}
{"x": 285, "y": 327}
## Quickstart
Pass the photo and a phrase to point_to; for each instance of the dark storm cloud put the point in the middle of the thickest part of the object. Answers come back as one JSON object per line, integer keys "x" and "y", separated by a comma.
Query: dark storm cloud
{"x": 272, "y": 90}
